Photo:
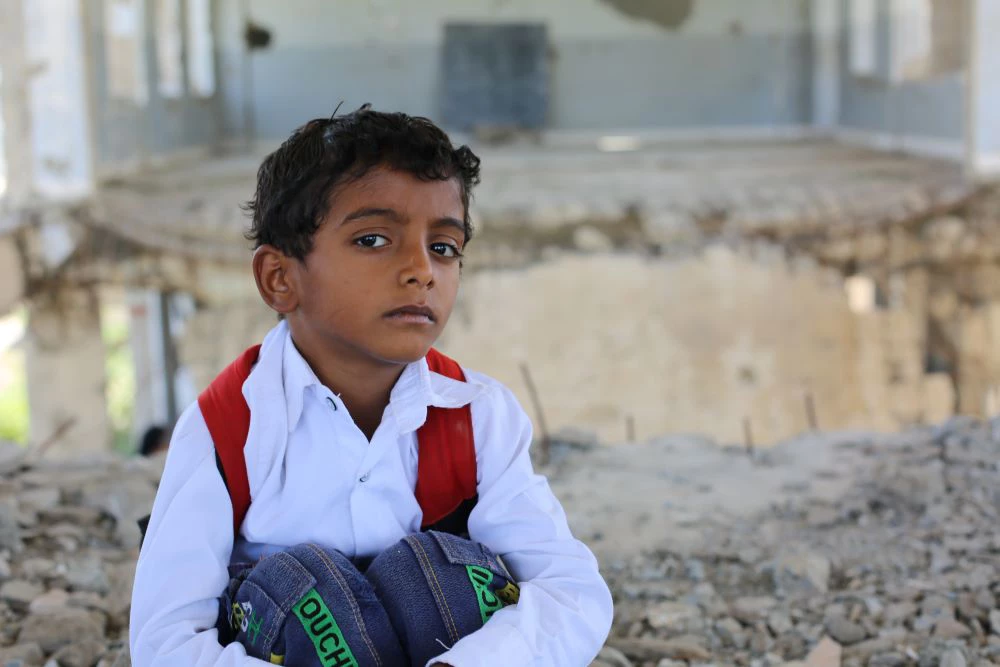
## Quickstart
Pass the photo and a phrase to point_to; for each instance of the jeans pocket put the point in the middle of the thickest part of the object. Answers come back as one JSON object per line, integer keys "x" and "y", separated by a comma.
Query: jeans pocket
{"x": 259, "y": 608}
{"x": 459, "y": 551}
{"x": 285, "y": 578}
{"x": 493, "y": 586}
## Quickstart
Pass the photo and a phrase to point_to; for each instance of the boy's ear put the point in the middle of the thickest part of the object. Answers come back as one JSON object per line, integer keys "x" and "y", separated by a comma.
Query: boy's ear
{"x": 272, "y": 269}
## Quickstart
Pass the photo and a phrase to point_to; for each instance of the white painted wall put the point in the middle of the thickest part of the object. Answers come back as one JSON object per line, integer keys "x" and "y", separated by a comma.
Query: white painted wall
{"x": 827, "y": 23}
{"x": 392, "y": 21}
{"x": 59, "y": 98}
{"x": 729, "y": 64}
{"x": 983, "y": 101}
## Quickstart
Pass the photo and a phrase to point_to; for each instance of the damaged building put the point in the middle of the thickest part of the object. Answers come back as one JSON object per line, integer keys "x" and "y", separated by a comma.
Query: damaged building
{"x": 745, "y": 219}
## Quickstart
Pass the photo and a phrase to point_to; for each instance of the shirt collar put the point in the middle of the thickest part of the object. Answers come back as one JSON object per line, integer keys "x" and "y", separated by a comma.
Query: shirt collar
{"x": 297, "y": 377}
{"x": 417, "y": 389}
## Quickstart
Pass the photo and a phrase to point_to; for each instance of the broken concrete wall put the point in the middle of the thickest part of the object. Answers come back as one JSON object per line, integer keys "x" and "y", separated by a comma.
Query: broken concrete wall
{"x": 623, "y": 344}
{"x": 697, "y": 345}
{"x": 690, "y": 63}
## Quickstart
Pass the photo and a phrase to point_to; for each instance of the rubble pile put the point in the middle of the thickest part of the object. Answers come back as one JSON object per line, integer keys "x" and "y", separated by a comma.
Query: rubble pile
{"x": 904, "y": 570}
{"x": 68, "y": 546}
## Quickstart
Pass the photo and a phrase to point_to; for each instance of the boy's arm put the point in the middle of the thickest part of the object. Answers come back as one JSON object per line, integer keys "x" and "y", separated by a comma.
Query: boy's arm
{"x": 564, "y": 612}
{"x": 182, "y": 567}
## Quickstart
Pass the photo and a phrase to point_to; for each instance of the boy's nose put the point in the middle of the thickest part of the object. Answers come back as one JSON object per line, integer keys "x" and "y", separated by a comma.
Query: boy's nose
{"x": 418, "y": 268}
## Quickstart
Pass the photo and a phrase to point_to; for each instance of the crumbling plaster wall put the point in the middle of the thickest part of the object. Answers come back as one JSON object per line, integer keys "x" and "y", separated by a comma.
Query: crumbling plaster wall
{"x": 731, "y": 337}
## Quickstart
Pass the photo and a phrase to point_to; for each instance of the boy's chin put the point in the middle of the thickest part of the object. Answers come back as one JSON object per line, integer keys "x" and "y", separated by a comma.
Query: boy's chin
{"x": 403, "y": 353}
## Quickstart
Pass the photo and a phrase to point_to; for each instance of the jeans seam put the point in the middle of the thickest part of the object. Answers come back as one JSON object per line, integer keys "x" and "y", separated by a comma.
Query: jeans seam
{"x": 358, "y": 617}
{"x": 436, "y": 589}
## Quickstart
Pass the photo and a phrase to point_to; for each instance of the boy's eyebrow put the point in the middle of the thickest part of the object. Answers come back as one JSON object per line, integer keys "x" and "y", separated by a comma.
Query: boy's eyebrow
{"x": 373, "y": 212}
{"x": 378, "y": 212}
{"x": 450, "y": 222}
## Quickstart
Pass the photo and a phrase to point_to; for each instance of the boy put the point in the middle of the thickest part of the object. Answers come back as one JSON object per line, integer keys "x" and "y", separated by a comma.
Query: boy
{"x": 359, "y": 223}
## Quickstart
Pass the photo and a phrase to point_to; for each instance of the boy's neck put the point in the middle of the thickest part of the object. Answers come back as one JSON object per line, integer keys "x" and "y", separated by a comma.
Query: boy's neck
{"x": 362, "y": 383}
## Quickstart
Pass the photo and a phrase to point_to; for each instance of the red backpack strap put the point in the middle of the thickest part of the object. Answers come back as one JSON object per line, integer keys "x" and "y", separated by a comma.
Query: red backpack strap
{"x": 227, "y": 416}
{"x": 446, "y": 463}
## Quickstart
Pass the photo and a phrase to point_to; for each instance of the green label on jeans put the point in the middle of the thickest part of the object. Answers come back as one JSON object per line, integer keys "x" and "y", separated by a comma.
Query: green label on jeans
{"x": 322, "y": 628}
{"x": 481, "y": 579}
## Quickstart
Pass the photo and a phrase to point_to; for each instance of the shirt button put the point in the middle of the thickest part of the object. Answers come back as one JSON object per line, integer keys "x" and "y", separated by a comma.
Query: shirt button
{"x": 364, "y": 478}
{"x": 333, "y": 403}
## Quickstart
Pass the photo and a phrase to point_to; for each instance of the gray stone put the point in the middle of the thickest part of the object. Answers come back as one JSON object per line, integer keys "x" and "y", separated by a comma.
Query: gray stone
{"x": 923, "y": 624}
{"x": 937, "y": 606}
{"x": 871, "y": 647}
{"x": 892, "y": 659}
{"x": 694, "y": 569}
{"x": 28, "y": 655}
{"x": 649, "y": 590}
{"x": 612, "y": 657}
{"x": 40, "y": 499}
{"x": 949, "y": 628}
{"x": 845, "y": 631}
{"x": 86, "y": 573}
{"x": 672, "y": 615}
{"x": 748, "y": 610}
{"x": 779, "y": 622}
{"x": 80, "y": 654}
{"x": 791, "y": 645}
{"x": 800, "y": 571}
{"x": 899, "y": 612}
{"x": 125, "y": 660}
{"x": 37, "y": 568}
{"x": 52, "y": 601}
{"x": 985, "y": 600}
{"x": 53, "y": 631}
{"x": 760, "y": 641}
{"x": 995, "y": 622}
{"x": 953, "y": 658}
{"x": 648, "y": 648}
{"x": 730, "y": 631}
{"x": 19, "y": 593}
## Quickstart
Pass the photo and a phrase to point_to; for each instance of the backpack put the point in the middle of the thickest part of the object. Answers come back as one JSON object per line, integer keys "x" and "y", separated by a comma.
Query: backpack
{"x": 446, "y": 467}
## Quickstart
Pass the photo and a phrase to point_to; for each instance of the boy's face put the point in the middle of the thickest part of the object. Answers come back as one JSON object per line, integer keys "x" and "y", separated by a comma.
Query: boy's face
{"x": 383, "y": 273}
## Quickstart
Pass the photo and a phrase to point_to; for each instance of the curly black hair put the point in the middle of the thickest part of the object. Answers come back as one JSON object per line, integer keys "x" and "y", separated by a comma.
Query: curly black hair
{"x": 295, "y": 182}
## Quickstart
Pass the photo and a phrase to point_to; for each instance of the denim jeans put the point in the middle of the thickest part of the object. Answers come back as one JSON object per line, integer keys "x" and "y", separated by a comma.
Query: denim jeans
{"x": 312, "y": 606}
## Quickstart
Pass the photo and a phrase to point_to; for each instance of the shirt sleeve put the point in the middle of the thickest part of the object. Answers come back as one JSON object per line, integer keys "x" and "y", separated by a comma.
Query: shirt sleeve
{"x": 183, "y": 563}
{"x": 565, "y": 609}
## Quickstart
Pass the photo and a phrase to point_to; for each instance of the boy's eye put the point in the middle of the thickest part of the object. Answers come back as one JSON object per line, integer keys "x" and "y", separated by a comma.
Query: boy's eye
{"x": 372, "y": 241}
{"x": 446, "y": 249}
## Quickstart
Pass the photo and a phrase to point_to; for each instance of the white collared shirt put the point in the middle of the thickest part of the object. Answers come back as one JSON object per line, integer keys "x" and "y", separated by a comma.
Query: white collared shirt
{"x": 315, "y": 477}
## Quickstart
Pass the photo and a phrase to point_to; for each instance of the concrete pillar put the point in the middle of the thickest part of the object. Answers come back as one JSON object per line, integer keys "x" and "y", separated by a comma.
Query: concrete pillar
{"x": 982, "y": 134}
{"x": 12, "y": 279}
{"x": 64, "y": 355}
{"x": 14, "y": 98}
{"x": 146, "y": 340}
{"x": 59, "y": 98}
{"x": 826, "y": 25}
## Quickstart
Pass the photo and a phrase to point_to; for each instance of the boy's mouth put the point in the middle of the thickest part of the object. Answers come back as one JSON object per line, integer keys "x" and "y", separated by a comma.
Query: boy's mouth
{"x": 412, "y": 315}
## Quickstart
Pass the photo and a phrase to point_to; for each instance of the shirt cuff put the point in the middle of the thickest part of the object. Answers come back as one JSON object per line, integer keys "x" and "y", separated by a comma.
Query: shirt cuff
{"x": 491, "y": 645}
